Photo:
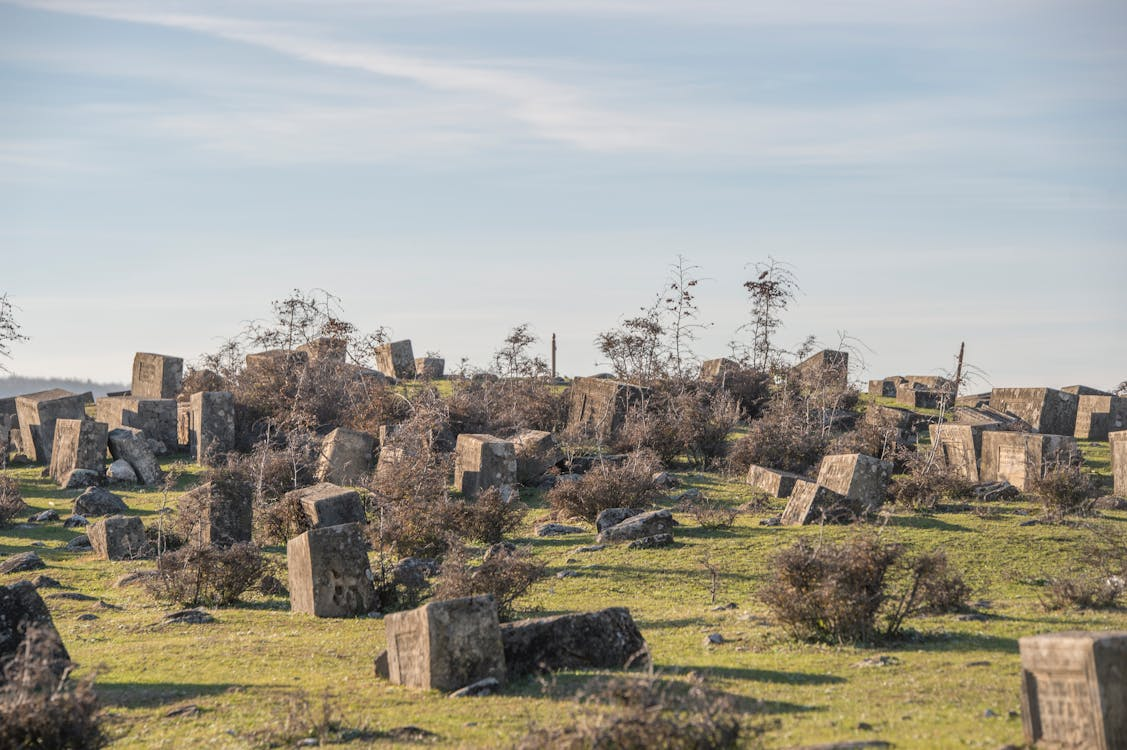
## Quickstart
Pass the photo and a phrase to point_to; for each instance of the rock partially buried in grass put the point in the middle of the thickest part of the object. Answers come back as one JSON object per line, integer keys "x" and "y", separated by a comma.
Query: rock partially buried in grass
{"x": 488, "y": 686}
{"x": 188, "y": 617}
{"x": 134, "y": 578}
{"x": 120, "y": 472}
{"x": 607, "y": 639}
{"x": 97, "y": 501}
{"x": 652, "y": 542}
{"x": 558, "y": 529}
{"x": 643, "y": 525}
{"x": 22, "y": 562}
{"x": 22, "y": 610}
{"x": 614, "y": 516}
{"x": 80, "y": 543}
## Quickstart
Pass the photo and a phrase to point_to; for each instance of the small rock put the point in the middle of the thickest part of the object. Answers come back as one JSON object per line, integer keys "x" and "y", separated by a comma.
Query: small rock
{"x": 558, "y": 529}
{"x": 591, "y": 548}
{"x": 308, "y": 742}
{"x": 19, "y": 459}
{"x": 132, "y": 579}
{"x": 410, "y": 734}
{"x": 772, "y": 521}
{"x": 45, "y": 582}
{"x": 75, "y": 521}
{"x": 988, "y": 714}
{"x": 567, "y": 574}
{"x": 864, "y": 726}
{"x": 157, "y": 446}
{"x": 120, "y": 472}
{"x": 650, "y": 542}
{"x": 181, "y": 711}
{"x": 88, "y": 616}
{"x": 723, "y": 607}
{"x": 103, "y": 604}
{"x": 1109, "y": 502}
{"x": 21, "y": 562}
{"x": 98, "y": 501}
{"x": 79, "y": 478}
{"x": 713, "y": 639}
{"x": 44, "y": 517}
{"x": 1030, "y": 522}
{"x": 884, "y": 660}
{"x": 188, "y": 617}
{"x": 973, "y": 617}
{"x": 80, "y": 543}
{"x": 38, "y": 544}
{"x": 488, "y": 686}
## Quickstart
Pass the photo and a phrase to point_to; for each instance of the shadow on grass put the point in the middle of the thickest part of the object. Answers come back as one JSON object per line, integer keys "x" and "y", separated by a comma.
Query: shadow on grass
{"x": 151, "y": 694}
{"x": 925, "y": 522}
{"x": 773, "y": 676}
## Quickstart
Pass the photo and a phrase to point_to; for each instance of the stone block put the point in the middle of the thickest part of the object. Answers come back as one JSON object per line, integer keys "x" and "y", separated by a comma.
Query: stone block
{"x": 885, "y": 387}
{"x": 128, "y": 444}
{"x": 828, "y": 369}
{"x": 21, "y": 608}
{"x": 275, "y": 363}
{"x": 79, "y": 444}
{"x": 213, "y": 514}
{"x": 608, "y": 639}
{"x": 157, "y": 417}
{"x": 1046, "y": 410}
{"x": 638, "y": 526}
{"x": 430, "y": 368}
{"x": 916, "y": 396}
{"x": 445, "y": 645}
{"x": 856, "y": 477}
{"x": 37, "y": 413}
{"x": 396, "y": 359}
{"x": 482, "y": 461}
{"x": 1020, "y": 458}
{"x": 1084, "y": 390}
{"x": 713, "y": 369}
{"x": 326, "y": 350}
{"x": 774, "y": 482}
{"x": 329, "y": 574}
{"x": 118, "y": 538}
{"x": 1074, "y": 690}
{"x": 536, "y": 452}
{"x": 598, "y": 406}
{"x": 959, "y": 446}
{"x": 156, "y": 375}
{"x": 1118, "y": 443}
{"x": 327, "y": 504}
{"x": 211, "y": 426}
{"x": 8, "y": 410}
{"x": 1097, "y": 415}
{"x": 346, "y": 457}
{"x": 183, "y": 423}
{"x": 810, "y": 502}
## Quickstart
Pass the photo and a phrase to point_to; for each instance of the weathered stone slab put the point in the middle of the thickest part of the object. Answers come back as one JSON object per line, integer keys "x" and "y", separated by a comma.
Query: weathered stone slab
{"x": 1020, "y": 458}
{"x": 607, "y": 639}
{"x": 211, "y": 426}
{"x": 1118, "y": 441}
{"x": 536, "y": 452}
{"x": 21, "y": 609}
{"x": 599, "y": 406}
{"x": 959, "y": 446}
{"x": 1097, "y": 415}
{"x": 218, "y": 515}
{"x": 79, "y": 444}
{"x": 811, "y": 502}
{"x": 328, "y": 504}
{"x": 885, "y": 387}
{"x": 1084, "y": 390}
{"x": 1046, "y": 410}
{"x": 157, "y": 417}
{"x": 98, "y": 501}
{"x": 828, "y": 369}
{"x": 38, "y": 413}
{"x": 326, "y": 349}
{"x": 274, "y": 363}
{"x": 118, "y": 538}
{"x": 445, "y": 645}
{"x": 482, "y": 461}
{"x": 1074, "y": 690}
{"x": 129, "y": 444}
{"x": 774, "y": 482}
{"x": 856, "y": 477}
{"x": 917, "y": 396}
{"x": 396, "y": 359}
{"x": 156, "y": 375}
{"x": 712, "y": 369}
{"x": 650, "y": 523}
{"x": 430, "y": 368}
{"x": 346, "y": 457}
{"x": 329, "y": 573}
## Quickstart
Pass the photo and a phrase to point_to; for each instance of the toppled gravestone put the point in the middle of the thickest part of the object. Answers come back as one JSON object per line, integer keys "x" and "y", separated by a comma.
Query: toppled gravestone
{"x": 216, "y": 513}
{"x": 396, "y": 359}
{"x": 483, "y": 461}
{"x": 430, "y": 368}
{"x": 1046, "y": 410}
{"x": 156, "y": 375}
{"x": 346, "y": 457}
{"x": 38, "y": 413}
{"x": 1074, "y": 689}
{"x": 129, "y": 444}
{"x": 811, "y": 502}
{"x": 536, "y": 452}
{"x": 643, "y": 525}
{"x": 156, "y": 417}
{"x": 98, "y": 501}
{"x": 211, "y": 425}
{"x": 21, "y": 563}
{"x": 607, "y": 639}
{"x": 329, "y": 574}
{"x": 79, "y": 444}
{"x": 21, "y": 610}
{"x": 118, "y": 538}
{"x": 445, "y": 645}
{"x": 774, "y": 482}
{"x": 857, "y": 477}
{"x": 614, "y": 516}
{"x": 328, "y": 504}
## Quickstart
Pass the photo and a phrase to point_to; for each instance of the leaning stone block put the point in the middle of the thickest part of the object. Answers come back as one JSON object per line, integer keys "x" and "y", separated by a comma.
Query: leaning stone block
{"x": 129, "y": 444}
{"x": 346, "y": 456}
{"x": 118, "y": 538}
{"x": 774, "y": 482}
{"x": 811, "y": 502}
{"x": 157, "y": 417}
{"x": 329, "y": 572}
{"x": 713, "y": 369}
{"x": 483, "y": 461}
{"x": 211, "y": 426}
{"x": 1118, "y": 441}
{"x": 327, "y": 504}
{"x": 1074, "y": 690}
{"x": 1046, "y": 410}
{"x": 599, "y": 406}
{"x": 156, "y": 375}
{"x": 608, "y": 639}
{"x": 536, "y": 452}
{"x": 396, "y": 359}
{"x": 79, "y": 444}
{"x": 445, "y": 645}
{"x": 857, "y": 477}
{"x": 38, "y": 413}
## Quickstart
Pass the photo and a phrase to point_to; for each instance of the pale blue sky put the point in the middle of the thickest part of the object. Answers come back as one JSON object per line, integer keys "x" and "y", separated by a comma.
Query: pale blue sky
{"x": 934, "y": 171}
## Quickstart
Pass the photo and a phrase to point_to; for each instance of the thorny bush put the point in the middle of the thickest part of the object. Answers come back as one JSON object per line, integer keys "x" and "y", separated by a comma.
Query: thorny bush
{"x": 506, "y": 573}
{"x": 606, "y": 485}
{"x": 195, "y": 575}
{"x": 11, "y": 502}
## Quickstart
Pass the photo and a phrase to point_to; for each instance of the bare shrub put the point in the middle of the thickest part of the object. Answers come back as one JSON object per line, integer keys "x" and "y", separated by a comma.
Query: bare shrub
{"x": 506, "y": 574}
{"x": 783, "y": 438}
{"x": 710, "y": 514}
{"x": 927, "y": 481}
{"x": 38, "y": 709}
{"x": 943, "y": 588}
{"x": 628, "y": 485}
{"x": 279, "y": 521}
{"x": 195, "y": 575}
{"x": 1064, "y": 489}
{"x": 681, "y": 417}
{"x": 877, "y": 434}
{"x": 489, "y": 516}
{"x": 1098, "y": 577}
{"x": 11, "y": 501}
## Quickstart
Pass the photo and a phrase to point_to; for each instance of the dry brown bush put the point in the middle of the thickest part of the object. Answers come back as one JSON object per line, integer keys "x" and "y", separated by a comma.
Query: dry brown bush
{"x": 195, "y": 575}
{"x": 502, "y": 406}
{"x": 11, "y": 501}
{"x": 506, "y": 574}
{"x": 711, "y": 514}
{"x": 606, "y": 485}
{"x": 927, "y": 481}
{"x": 783, "y": 438}
{"x": 1064, "y": 489}
{"x": 1098, "y": 577}
{"x": 681, "y": 417}
{"x": 489, "y": 516}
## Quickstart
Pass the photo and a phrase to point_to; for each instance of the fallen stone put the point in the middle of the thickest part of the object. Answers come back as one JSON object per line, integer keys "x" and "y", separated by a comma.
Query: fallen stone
{"x": 188, "y": 617}
{"x": 75, "y": 521}
{"x": 22, "y": 562}
{"x": 614, "y": 516}
{"x": 488, "y": 686}
{"x": 45, "y": 582}
{"x": 80, "y": 543}
{"x": 121, "y": 472}
{"x": 21, "y": 608}
{"x": 640, "y": 526}
{"x": 129, "y": 444}
{"x": 45, "y": 516}
{"x": 118, "y": 538}
{"x": 607, "y": 639}
{"x": 98, "y": 501}
{"x": 76, "y": 479}
{"x": 558, "y": 529}
{"x": 713, "y": 639}
{"x": 651, "y": 542}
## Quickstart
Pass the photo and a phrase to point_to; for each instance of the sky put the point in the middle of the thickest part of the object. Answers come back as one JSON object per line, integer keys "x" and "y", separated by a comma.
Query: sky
{"x": 933, "y": 172}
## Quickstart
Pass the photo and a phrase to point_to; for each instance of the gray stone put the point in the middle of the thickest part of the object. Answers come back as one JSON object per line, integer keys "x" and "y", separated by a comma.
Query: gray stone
{"x": 429, "y": 368}
{"x": 483, "y": 461}
{"x": 1118, "y": 443}
{"x": 959, "y": 447}
{"x": 652, "y": 542}
{"x": 156, "y": 375}
{"x": 216, "y": 514}
{"x": 856, "y": 477}
{"x": 651, "y": 523}
{"x": 211, "y": 426}
{"x": 45, "y": 516}
{"x": 558, "y": 529}
{"x": 488, "y": 686}
{"x": 1096, "y": 416}
{"x": 21, "y": 610}
{"x": 396, "y": 359}
{"x": 80, "y": 543}
{"x": 714, "y": 369}
{"x": 827, "y": 369}
{"x": 327, "y": 504}
{"x": 1046, "y": 410}
{"x": 79, "y": 444}
{"x": 607, "y": 639}
{"x": 1022, "y": 458}
{"x": 22, "y": 562}
{"x": 536, "y": 452}
{"x": 326, "y": 349}
{"x": 98, "y": 501}
{"x": 445, "y": 645}
{"x": 774, "y": 482}
{"x": 1074, "y": 689}
{"x": 188, "y": 617}
{"x": 614, "y": 516}
{"x": 118, "y": 538}
{"x": 77, "y": 479}
{"x": 120, "y": 471}
{"x": 811, "y": 502}
{"x": 329, "y": 574}
{"x": 598, "y": 406}
{"x": 346, "y": 457}
{"x": 76, "y": 521}
{"x": 129, "y": 444}
{"x": 156, "y": 417}
{"x": 38, "y": 413}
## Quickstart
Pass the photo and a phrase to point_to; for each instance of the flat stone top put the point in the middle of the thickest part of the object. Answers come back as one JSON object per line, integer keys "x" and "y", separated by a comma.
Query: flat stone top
{"x": 322, "y": 490}
{"x": 481, "y": 438}
{"x": 1117, "y": 435}
{"x": 51, "y": 395}
{"x": 1074, "y": 636}
{"x": 162, "y": 356}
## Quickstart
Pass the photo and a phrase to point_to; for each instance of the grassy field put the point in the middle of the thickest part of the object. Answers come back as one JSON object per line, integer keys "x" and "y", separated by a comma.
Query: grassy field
{"x": 260, "y": 671}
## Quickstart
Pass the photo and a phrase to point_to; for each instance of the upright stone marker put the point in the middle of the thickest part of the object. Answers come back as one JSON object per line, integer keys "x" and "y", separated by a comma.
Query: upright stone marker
{"x": 329, "y": 572}
{"x": 430, "y": 368}
{"x": 445, "y": 645}
{"x": 396, "y": 359}
{"x": 1118, "y": 441}
{"x": 959, "y": 447}
{"x": 482, "y": 461}
{"x": 212, "y": 516}
{"x": 1074, "y": 690}
{"x": 599, "y": 406}
{"x": 1047, "y": 410}
{"x": 1096, "y": 416}
{"x": 156, "y": 375}
{"x": 1021, "y": 458}
{"x": 211, "y": 433}
{"x": 857, "y": 477}
{"x": 346, "y": 456}
{"x": 37, "y": 414}
{"x": 118, "y": 538}
{"x": 157, "y": 417}
{"x": 79, "y": 444}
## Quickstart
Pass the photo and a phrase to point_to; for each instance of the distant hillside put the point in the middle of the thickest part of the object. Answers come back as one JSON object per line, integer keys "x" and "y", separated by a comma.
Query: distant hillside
{"x": 16, "y": 385}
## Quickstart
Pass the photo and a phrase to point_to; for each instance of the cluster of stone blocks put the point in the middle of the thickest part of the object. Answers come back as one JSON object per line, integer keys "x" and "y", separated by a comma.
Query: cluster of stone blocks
{"x": 827, "y": 369}
{"x": 396, "y": 359}
{"x": 849, "y": 485}
{"x": 915, "y": 391}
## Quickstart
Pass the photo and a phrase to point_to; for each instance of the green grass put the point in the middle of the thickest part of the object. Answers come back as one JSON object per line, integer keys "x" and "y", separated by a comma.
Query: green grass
{"x": 244, "y": 670}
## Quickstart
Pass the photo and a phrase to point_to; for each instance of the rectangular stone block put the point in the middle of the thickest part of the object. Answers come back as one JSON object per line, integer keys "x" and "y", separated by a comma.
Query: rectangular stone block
{"x": 396, "y": 359}
{"x": 212, "y": 514}
{"x": 275, "y": 363}
{"x": 1096, "y": 416}
{"x": 156, "y": 375}
{"x": 8, "y": 409}
{"x": 445, "y": 645}
{"x": 536, "y": 452}
{"x": 79, "y": 444}
{"x": 885, "y": 387}
{"x": 327, "y": 504}
{"x": 118, "y": 538}
{"x": 1074, "y": 690}
{"x": 211, "y": 427}
{"x": 828, "y": 369}
{"x": 774, "y": 482}
{"x": 712, "y": 369}
{"x": 346, "y": 457}
{"x": 430, "y": 368}
{"x": 1021, "y": 458}
{"x": 1046, "y": 410}
{"x": 329, "y": 573}
{"x": 598, "y": 406}
{"x": 183, "y": 423}
{"x": 917, "y": 396}
{"x": 856, "y": 477}
{"x": 326, "y": 350}
{"x": 482, "y": 461}
{"x": 37, "y": 414}
{"x": 1118, "y": 442}
{"x": 810, "y": 502}
{"x": 157, "y": 417}
{"x": 959, "y": 446}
